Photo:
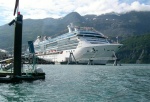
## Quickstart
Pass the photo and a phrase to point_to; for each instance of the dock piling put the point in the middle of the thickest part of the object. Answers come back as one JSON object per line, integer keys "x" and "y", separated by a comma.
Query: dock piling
{"x": 17, "y": 75}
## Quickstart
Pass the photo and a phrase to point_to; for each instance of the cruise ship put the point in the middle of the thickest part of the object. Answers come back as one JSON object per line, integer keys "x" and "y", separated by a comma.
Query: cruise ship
{"x": 81, "y": 45}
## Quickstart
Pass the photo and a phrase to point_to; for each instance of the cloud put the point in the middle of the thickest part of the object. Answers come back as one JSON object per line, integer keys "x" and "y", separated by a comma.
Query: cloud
{"x": 38, "y": 9}
{"x": 106, "y": 6}
{"x": 139, "y": 7}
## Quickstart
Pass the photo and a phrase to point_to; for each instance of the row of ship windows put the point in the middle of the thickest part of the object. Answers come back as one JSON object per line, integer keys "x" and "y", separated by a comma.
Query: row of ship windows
{"x": 61, "y": 43}
{"x": 62, "y": 47}
{"x": 67, "y": 35}
{"x": 98, "y": 42}
{"x": 96, "y": 39}
{"x": 96, "y": 36}
{"x": 66, "y": 48}
{"x": 68, "y": 42}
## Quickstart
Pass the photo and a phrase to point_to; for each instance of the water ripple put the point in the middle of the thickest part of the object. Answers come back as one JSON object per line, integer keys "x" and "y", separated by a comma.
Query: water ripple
{"x": 82, "y": 83}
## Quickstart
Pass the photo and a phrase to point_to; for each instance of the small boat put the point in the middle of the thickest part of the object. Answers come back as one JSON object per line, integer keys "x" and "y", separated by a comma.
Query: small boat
{"x": 3, "y": 54}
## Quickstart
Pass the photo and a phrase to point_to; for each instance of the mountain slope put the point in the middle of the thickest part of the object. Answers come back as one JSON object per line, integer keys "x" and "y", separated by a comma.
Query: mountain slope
{"x": 112, "y": 25}
{"x": 135, "y": 50}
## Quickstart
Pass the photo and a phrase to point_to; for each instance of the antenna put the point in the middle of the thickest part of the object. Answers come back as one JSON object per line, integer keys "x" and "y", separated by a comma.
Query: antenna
{"x": 16, "y": 7}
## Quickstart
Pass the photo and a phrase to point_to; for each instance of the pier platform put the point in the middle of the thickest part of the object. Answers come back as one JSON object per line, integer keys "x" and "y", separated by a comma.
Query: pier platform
{"x": 7, "y": 77}
{"x": 12, "y": 70}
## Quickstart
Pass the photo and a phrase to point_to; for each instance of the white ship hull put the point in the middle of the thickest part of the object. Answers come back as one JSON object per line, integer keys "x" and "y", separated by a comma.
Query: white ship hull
{"x": 100, "y": 55}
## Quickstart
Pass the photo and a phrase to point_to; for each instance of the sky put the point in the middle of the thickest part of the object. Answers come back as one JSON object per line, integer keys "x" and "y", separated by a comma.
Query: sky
{"x": 39, "y": 9}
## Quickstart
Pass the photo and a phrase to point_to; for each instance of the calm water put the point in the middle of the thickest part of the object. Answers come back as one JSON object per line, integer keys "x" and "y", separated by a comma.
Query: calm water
{"x": 83, "y": 83}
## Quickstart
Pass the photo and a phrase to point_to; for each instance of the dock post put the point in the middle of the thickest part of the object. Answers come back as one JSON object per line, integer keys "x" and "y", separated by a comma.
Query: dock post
{"x": 18, "y": 74}
{"x": 18, "y": 45}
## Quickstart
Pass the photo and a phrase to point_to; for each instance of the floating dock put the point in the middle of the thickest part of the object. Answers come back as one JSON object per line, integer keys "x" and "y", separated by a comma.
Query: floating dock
{"x": 9, "y": 78}
{"x": 12, "y": 70}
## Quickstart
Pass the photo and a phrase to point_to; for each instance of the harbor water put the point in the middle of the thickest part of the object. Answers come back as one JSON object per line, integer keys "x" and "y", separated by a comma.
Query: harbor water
{"x": 83, "y": 83}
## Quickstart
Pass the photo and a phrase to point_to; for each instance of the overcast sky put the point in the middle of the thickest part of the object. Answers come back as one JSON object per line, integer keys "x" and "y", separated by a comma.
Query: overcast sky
{"x": 39, "y": 9}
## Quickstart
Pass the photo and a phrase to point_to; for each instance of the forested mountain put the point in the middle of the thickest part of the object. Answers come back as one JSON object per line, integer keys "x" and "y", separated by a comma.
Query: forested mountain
{"x": 123, "y": 25}
{"x": 136, "y": 49}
